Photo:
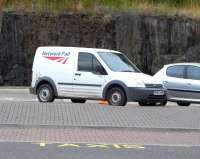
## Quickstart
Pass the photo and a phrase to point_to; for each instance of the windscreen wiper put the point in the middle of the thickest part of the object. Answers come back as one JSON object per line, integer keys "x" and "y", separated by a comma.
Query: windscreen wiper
{"x": 127, "y": 71}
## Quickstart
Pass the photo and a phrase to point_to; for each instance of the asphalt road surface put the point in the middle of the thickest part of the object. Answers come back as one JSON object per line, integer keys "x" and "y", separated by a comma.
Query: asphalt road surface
{"x": 16, "y": 94}
{"x": 94, "y": 151}
{"x": 21, "y": 94}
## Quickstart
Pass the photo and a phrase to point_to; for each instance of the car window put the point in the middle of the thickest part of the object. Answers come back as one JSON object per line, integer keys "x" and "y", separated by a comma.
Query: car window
{"x": 176, "y": 71}
{"x": 88, "y": 63}
{"x": 193, "y": 72}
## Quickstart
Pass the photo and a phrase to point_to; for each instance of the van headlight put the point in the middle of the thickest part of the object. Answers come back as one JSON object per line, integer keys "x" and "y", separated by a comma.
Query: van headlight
{"x": 139, "y": 83}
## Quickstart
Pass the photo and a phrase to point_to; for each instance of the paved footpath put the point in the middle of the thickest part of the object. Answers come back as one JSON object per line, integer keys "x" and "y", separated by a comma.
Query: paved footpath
{"x": 115, "y": 137}
{"x": 65, "y": 114}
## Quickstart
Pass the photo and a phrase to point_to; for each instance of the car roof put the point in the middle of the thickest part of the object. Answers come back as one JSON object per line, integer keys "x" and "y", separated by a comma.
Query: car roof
{"x": 185, "y": 64}
{"x": 83, "y": 49}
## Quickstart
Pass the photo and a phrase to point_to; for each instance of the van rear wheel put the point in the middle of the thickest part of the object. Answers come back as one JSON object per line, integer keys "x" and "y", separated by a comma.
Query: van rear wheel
{"x": 45, "y": 93}
{"x": 78, "y": 100}
{"x": 116, "y": 97}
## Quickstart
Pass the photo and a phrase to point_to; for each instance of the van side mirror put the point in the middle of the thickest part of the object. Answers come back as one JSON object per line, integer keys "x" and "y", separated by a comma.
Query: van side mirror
{"x": 99, "y": 70}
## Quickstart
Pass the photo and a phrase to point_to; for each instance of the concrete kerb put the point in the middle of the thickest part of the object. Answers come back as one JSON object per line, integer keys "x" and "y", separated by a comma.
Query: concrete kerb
{"x": 14, "y": 87}
{"x": 153, "y": 129}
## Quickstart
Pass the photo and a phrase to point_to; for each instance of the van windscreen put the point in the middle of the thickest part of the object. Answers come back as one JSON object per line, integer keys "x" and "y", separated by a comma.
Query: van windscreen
{"x": 118, "y": 62}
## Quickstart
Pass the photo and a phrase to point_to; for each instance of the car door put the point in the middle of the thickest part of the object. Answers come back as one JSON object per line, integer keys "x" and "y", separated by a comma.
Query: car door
{"x": 89, "y": 77}
{"x": 175, "y": 82}
{"x": 193, "y": 82}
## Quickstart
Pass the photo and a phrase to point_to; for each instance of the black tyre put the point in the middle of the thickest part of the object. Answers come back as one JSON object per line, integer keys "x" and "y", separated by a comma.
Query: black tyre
{"x": 164, "y": 103}
{"x": 186, "y": 104}
{"x": 78, "y": 100}
{"x": 45, "y": 93}
{"x": 146, "y": 104}
{"x": 116, "y": 97}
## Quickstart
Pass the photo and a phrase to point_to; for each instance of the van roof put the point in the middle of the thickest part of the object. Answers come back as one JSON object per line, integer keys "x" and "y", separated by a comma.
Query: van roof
{"x": 80, "y": 49}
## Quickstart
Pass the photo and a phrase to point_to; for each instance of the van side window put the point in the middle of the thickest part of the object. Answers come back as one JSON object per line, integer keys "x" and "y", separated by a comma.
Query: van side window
{"x": 89, "y": 63}
{"x": 85, "y": 62}
{"x": 95, "y": 63}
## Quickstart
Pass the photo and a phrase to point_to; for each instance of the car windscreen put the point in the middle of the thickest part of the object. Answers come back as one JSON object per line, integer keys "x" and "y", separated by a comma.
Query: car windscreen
{"x": 118, "y": 62}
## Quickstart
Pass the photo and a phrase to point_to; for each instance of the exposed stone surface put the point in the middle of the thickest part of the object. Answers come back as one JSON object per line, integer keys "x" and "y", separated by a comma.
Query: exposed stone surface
{"x": 1, "y": 80}
{"x": 150, "y": 41}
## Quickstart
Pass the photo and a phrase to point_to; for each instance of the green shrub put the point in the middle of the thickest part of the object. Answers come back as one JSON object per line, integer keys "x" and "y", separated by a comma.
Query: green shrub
{"x": 63, "y": 5}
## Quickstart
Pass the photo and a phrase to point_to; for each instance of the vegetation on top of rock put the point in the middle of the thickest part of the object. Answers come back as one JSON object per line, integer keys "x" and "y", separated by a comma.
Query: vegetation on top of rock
{"x": 188, "y": 7}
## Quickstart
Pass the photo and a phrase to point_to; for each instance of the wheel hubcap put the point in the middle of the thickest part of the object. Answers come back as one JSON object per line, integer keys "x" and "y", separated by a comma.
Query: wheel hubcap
{"x": 44, "y": 94}
{"x": 116, "y": 97}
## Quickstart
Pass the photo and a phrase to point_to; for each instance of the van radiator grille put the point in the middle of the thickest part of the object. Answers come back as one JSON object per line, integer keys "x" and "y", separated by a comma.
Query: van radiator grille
{"x": 153, "y": 86}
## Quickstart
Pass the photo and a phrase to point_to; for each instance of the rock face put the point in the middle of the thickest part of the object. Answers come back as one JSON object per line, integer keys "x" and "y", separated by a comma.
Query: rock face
{"x": 149, "y": 41}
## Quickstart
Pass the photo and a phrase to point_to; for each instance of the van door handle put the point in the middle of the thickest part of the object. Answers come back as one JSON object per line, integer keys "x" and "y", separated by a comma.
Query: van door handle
{"x": 165, "y": 82}
{"x": 77, "y": 74}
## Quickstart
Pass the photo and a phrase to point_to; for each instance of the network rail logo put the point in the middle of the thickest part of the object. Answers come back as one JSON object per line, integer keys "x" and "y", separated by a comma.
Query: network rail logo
{"x": 60, "y": 57}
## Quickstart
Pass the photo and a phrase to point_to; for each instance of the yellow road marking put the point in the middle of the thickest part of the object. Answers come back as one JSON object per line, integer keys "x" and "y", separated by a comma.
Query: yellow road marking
{"x": 68, "y": 145}
{"x": 42, "y": 144}
{"x": 116, "y": 146}
{"x": 103, "y": 146}
{"x": 97, "y": 146}
{"x": 127, "y": 146}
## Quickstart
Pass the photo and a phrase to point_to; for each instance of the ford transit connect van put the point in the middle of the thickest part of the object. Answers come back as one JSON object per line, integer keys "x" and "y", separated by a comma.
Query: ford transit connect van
{"x": 88, "y": 73}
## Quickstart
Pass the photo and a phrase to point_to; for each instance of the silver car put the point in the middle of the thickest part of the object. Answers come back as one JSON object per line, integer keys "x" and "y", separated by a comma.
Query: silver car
{"x": 182, "y": 81}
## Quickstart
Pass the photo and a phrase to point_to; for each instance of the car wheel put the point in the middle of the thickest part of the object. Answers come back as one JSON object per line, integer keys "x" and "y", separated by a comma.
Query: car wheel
{"x": 146, "y": 103}
{"x": 116, "y": 97}
{"x": 183, "y": 103}
{"x": 45, "y": 93}
{"x": 78, "y": 100}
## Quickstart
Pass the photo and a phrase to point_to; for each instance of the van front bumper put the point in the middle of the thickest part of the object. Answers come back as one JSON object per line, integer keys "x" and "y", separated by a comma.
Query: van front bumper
{"x": 146, "y": 95}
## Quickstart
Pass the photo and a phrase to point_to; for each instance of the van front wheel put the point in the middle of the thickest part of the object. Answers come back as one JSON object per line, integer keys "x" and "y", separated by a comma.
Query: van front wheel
{"x": 116, "y": 97}
{"x": 45, "y": 93}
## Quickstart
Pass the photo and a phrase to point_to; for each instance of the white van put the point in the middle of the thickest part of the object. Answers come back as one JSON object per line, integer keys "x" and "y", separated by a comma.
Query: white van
{"x": 88, "y": 73}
